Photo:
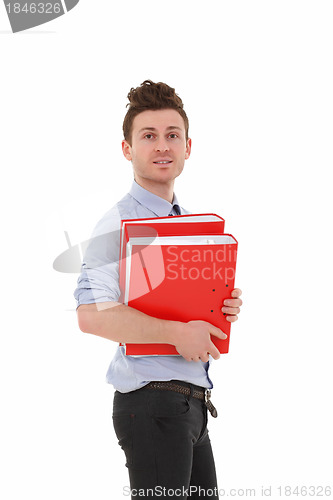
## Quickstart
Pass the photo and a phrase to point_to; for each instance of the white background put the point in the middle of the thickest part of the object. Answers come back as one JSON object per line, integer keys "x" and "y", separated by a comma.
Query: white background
{"x": 256, "y": 79}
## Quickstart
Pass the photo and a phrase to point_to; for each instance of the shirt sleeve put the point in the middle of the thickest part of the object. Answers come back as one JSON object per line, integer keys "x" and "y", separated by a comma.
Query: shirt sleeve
{"x": 99, "y": 278}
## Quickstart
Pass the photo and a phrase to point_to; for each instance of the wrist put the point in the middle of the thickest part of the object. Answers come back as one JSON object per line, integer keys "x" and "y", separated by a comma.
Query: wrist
{"x": 172, "y": 331}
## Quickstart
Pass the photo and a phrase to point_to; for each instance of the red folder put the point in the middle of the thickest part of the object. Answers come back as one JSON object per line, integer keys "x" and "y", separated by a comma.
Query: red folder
{"x": 177, "y": 225}
{"x": 180, "y": 278}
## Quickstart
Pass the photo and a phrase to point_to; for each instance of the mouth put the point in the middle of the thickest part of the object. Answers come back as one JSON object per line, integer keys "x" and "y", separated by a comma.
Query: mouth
{"x": 163, "y": 162}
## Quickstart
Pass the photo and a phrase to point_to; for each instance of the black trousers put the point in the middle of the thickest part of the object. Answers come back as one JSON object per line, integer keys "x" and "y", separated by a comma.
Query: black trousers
{"x": 165, "y": 439}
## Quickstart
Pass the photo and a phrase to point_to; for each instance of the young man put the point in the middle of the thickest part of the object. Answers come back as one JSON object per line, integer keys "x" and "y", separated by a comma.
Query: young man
{"x": 159, "y": 413}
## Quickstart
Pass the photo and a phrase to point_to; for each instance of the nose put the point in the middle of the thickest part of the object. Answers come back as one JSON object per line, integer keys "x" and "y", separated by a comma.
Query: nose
{"x": 161, "y": 145}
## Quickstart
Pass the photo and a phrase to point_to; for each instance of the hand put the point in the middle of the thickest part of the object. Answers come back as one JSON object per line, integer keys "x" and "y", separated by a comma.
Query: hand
{"x": 231, "y": 307}
{"x": 194, "y": 342}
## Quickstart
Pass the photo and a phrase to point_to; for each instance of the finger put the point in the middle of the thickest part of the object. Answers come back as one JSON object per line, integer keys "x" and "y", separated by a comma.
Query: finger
{"x": 230, "y": 310}
{"x": 233, "y": 302}
{"x": 236, "y": 292}
{"x": 231, "y": 319}
{"x": 204, "y": 357}
{"x": 214, "y": 352}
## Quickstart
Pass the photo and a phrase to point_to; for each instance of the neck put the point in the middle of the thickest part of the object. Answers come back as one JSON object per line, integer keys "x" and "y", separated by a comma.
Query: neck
{"x": 164, "y": 190}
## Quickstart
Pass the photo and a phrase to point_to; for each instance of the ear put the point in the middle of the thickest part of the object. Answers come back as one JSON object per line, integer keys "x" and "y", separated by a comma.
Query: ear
{"x": 127, "y": 150}
{"x": 188, "y": 148}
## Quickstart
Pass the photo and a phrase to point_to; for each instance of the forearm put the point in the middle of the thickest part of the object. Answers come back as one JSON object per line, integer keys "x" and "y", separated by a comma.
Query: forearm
{"x": 121, "y": 323}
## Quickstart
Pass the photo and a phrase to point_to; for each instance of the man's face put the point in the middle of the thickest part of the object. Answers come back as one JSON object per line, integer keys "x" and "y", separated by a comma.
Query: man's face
{"x": 159, "y": 148}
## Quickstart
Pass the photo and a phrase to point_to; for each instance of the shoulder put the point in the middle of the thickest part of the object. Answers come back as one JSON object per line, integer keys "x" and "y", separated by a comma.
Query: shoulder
{"x": 111, "y": 220}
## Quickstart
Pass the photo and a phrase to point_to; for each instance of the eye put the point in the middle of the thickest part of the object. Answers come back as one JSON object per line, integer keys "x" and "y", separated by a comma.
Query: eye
{"x": 174, "y": 135}
{"x": 148, "y": 136}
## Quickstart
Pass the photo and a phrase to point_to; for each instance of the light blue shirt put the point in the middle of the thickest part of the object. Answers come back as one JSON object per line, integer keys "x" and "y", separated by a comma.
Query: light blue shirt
{"x": 99, "y": 282}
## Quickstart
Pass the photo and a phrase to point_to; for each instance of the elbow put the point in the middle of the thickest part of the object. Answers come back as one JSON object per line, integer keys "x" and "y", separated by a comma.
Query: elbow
{"x": 84, "y": 322}
{"x": 84, "y": 327}
{"x": 90, "y": 320}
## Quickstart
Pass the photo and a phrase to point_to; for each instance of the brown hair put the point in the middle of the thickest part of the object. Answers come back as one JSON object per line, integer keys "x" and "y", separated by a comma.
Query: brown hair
{"x": 152, "y": 96}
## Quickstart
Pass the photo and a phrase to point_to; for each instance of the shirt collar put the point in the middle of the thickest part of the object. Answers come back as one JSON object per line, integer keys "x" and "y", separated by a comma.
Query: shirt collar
{"x": 156, "y": 204}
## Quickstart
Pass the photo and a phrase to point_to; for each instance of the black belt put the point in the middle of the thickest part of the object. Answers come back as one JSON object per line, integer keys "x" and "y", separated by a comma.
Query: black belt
{"x": 198, "y": 393}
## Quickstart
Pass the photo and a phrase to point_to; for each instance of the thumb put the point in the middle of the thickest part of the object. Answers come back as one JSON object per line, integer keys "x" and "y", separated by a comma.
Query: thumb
{"x": 217, "y": 332}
